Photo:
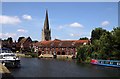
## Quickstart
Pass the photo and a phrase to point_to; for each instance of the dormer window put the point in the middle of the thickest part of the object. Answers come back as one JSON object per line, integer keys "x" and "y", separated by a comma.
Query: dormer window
{"x": 60, "y": 44}
{"x": 84, "y": 43}
{"x": 73, "y": 43}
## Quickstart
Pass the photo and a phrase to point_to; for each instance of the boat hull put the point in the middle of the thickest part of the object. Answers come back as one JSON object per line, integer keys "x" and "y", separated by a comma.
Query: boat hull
{"x": 109, "y": 63}
{"x": 11, "y": 63}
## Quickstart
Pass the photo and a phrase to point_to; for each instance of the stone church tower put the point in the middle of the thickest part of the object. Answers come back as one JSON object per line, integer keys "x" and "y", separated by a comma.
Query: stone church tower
{"x": 46, "y": 31}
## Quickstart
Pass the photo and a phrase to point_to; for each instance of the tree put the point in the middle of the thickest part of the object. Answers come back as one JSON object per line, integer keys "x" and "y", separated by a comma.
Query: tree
{"x": 116, "y": 35}
{"x": 83, "y": 52}
{"x": 106, "y": 44}
{"x": 116, "y": 44}
{"x": 84, "y": 38}
{"x": 96, "y": 34}
{"x": 35, "y": 41}
{"x": 10, "y": 40}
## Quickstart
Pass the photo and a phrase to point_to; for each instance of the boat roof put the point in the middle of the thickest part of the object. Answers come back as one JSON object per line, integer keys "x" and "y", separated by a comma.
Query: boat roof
{"x": 110, "y": 60}
{"x": 4, "y": 49}
{"x": 6, "y": 53}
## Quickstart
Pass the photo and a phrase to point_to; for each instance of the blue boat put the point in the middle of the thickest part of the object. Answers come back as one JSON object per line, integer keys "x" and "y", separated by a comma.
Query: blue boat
{"x": 111, "y": 63}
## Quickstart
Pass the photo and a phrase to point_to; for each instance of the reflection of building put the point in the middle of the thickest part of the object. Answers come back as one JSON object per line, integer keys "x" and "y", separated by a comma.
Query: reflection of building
{"x": 46, "y": 32}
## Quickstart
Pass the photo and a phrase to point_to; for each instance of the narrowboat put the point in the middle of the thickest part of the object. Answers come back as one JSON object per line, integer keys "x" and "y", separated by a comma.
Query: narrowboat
{"x": 111, "y": 63}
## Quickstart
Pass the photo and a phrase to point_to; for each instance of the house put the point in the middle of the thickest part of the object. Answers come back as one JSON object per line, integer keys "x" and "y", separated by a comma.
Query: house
{"x": 24, "y": 44}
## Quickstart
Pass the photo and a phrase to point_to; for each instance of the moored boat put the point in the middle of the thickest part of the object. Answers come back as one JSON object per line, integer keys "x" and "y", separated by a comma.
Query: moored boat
{"x": 112, "y": 63}
{"x": 8, "y": 58}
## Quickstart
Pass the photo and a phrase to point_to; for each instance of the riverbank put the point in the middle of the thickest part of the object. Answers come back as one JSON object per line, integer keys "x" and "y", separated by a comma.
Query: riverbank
{"x": 47, "y": 56}
{"x": 3, "y": 69}
{"x": 5, "y": 73}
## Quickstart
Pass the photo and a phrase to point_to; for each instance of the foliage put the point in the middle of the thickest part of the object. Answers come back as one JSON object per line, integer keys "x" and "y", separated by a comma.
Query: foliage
{"x": 108, "y": 45}
{"x": 83, "y": 52}
{"x": 35, "y": 41}
{"x": 10, "y": 40}
{"x": 84, "y": 38}
{"x": 96, "y": 34}
{"x": 32, "y": 54}
{"x": 104, "y": 45}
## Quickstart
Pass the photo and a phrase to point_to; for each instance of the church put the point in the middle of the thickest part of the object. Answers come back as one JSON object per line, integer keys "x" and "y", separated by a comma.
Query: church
{"x": 46, "y": 32}
{"x": 60, "y": 47}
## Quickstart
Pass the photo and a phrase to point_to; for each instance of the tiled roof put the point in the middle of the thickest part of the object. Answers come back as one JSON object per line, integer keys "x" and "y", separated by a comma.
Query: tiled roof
{"x": 61, "y": 43}
{"x": 25, "y": 42}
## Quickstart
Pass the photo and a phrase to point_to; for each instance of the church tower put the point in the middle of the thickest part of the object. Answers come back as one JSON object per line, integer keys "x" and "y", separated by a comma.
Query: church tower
{"x": 46, "y": 31}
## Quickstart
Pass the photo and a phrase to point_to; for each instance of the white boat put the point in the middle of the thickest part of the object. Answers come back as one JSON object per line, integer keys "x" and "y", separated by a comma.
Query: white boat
{"x": 8, "y": 58}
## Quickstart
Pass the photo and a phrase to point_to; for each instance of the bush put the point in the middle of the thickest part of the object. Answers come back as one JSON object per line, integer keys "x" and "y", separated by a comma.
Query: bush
{"x": 88, "y": 59}
{"x": 32, "y": 54}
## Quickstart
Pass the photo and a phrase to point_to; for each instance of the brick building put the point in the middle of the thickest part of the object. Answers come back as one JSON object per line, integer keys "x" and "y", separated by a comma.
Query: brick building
{"x": 60, "y": 47}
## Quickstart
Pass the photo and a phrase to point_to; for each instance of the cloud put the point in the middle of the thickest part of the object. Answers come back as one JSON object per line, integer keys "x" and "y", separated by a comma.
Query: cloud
{"x": 22, "y": 30}
{"x": 60, "y": 27}
{"x": 4, "y": 35}
{"x": 27, "y": 17}
{"x": 9, "y": 19}
{"x": 105, "y": 23}
{"x": 74, "y": 35}
{"x": 75, "y": 24}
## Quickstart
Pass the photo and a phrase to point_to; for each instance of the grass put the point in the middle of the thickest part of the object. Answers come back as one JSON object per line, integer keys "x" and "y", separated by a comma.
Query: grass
{"x": 27, "y": 55}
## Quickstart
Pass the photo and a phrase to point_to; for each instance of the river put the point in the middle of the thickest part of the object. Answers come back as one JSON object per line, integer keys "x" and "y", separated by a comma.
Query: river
{"x": 34, "y": 67}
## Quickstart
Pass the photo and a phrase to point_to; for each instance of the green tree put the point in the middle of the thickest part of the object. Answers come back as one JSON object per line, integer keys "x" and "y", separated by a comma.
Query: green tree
{"x": 96, "y": 34}
{"x": 106, "y": 41}
{"x": 96, "y": 45}
{"x": 116, "y": 43}
{"x": 84, "y": 38}
{"x": 83, "y": 52}
{"x": 10, "y": 40}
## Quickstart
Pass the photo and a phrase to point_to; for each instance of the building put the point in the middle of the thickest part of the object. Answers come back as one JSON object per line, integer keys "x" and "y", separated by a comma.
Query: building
{"x": 46, "y": 31}
{"x": 24, "y": 44}
{"x": 60, "y": 47}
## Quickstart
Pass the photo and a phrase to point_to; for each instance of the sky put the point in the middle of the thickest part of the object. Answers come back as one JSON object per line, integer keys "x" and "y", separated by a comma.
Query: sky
{"x": 67, "y": 20}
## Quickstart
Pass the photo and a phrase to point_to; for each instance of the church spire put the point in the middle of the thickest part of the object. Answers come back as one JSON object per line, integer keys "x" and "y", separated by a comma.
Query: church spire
{"x": 46, "y": 23}
{"x": 46, "y": 31}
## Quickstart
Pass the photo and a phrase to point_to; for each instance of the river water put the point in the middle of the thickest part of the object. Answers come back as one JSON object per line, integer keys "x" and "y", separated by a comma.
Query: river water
{"x": 34, "y": 67}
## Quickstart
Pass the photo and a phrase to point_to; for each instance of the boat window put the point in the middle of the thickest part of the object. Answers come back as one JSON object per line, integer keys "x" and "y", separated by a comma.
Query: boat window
{"x": 5, "y": 51}
{"x": 9, "y": 55}
{"x": 118, "y": 63}
{"x": 100, "y": 61}
{"x": 114, "y": 63}
{"x": 1, "y": 56}
{"x": 111, "y": 62}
